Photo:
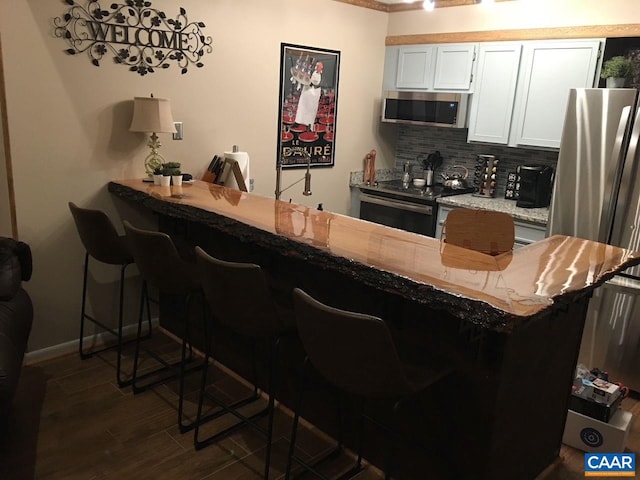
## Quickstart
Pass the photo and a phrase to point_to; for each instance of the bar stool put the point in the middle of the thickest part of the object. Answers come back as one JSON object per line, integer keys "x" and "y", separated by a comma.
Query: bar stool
{"x": 356, "y": 354}
{"x": 257, "y": 317}
{"x": 162, "y": 267}
{"x": 102, "y": 243}
{"x": 484, "y": 231}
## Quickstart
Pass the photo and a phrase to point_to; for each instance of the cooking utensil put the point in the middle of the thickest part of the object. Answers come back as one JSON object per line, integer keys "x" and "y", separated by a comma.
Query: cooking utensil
{"x": 455, "y": 181}
{"x": 430, "y": 162}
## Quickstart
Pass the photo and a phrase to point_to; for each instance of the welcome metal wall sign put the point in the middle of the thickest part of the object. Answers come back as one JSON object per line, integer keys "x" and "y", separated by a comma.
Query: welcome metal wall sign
{"x": 135, "y": 34}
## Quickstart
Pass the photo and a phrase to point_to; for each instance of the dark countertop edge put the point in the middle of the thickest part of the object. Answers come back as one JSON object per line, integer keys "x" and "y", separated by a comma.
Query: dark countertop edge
{"x": 477, "y": 312}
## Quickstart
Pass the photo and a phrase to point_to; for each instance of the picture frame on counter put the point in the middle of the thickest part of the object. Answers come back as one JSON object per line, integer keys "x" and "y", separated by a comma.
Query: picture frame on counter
{"x": 308, "y": 101}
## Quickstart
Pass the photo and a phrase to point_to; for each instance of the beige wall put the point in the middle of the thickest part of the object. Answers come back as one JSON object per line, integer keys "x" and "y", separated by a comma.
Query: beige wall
{"x": 518, "y": 14}
{"x": 69, "y": 120}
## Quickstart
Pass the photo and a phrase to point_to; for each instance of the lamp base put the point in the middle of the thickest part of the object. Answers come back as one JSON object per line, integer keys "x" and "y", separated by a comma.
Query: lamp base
{"x": 154, "y": 160}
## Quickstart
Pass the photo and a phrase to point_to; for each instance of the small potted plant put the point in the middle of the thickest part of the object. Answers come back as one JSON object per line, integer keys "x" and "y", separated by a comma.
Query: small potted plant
{"x": 168, "y": 170}
{"x": 616, "y": 70}
{"x": 157, "y": 175}
{"x": 176, "y": 177}
{"x": 170, "y": 167}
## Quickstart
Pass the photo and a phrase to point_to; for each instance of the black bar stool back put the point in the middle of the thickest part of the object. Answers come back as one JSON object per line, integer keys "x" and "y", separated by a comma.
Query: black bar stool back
{"x": 102, "y": 242}
{"x": 225, "y": 286}
{"x": 355, "y": 353}
{"x": 162, "y": 267}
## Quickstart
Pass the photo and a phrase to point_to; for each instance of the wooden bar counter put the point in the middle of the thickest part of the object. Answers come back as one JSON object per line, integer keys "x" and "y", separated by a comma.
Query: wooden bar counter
{"x": 509, "y": 325}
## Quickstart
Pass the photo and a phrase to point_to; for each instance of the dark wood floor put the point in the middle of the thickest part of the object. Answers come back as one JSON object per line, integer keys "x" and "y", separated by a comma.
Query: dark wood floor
{"x": 72, "y": 422}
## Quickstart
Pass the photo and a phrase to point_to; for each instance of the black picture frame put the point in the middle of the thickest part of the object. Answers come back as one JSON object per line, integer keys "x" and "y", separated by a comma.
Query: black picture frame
{"x": 308, "y": 106}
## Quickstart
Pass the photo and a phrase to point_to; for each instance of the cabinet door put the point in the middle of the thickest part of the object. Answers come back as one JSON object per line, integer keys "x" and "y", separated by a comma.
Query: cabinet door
{"x": 494, "y": 95}
{"x": 454, "y": 64}
{"x": 443, "y": 211}
{"x": 415, "y": 69}
{"x": 550, "y": 69}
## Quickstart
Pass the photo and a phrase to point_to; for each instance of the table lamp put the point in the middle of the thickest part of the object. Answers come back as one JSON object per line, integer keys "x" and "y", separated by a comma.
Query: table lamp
{"x": 152, "y": 115}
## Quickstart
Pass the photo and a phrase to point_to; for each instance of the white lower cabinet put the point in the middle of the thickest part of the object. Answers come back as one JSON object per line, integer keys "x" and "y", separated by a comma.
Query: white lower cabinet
{"x": 526, "y": 232}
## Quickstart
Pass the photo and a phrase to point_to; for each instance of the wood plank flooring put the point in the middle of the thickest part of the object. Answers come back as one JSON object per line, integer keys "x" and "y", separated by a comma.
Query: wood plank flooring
{"x": 72, "y": 422}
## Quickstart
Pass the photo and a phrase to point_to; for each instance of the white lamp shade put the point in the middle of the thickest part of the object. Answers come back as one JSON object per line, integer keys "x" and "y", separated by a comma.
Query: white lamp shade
{"x": 152, "y": 115}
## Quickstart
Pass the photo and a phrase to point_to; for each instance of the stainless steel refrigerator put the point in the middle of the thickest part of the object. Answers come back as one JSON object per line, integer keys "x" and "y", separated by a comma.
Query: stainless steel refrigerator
{"x": 597, "y": 196}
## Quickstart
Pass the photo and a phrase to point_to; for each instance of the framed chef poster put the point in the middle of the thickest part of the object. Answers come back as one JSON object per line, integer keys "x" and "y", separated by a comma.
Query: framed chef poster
{"x": 308, "y": 106}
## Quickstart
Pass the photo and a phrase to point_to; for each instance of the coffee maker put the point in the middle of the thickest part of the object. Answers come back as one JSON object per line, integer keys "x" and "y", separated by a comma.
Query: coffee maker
{"x": 535, "y": 186}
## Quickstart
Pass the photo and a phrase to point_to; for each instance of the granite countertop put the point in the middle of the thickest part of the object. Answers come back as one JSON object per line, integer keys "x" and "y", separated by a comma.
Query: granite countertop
{"x": 468, "y": 200}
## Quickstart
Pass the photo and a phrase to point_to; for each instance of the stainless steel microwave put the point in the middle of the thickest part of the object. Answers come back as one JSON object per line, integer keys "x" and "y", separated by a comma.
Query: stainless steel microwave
{"x": 426, "y": 108}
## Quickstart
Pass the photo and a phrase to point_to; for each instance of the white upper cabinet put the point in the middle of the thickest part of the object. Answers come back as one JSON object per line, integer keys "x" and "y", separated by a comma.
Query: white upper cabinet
{"x": 520, "y": 89}
{"x": 446, "y": 67}
{"x": 549, "y": 69}
{"x": 494, "y": 93}
{"x": 415, "y": 67}
{"x": 454, "y": 66}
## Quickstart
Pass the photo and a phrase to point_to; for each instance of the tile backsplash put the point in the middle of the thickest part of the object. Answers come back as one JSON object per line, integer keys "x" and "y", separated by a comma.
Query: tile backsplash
{"x": 452, "y": 144}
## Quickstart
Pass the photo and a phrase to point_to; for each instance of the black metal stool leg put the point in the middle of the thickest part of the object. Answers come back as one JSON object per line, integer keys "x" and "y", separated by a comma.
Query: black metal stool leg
{"x": 117, "y": 332}
{"x": 339, "y": 443}
{"x": 136, "y": 355}
{"x": 358, "y": 465}
{"x": 183, "y": 427}
{"x": 254, "y": 366}
{"x": 296, "y": 418}
{"x": 387, "y": 473}
{"x": 84, "y": 305}
{"x": 121, "y": 383}
{"x": 228, "y": 409}
{"x": 271, "y": 408}
{"x": 203, "y": 386}
{"x": 149, "y": 328}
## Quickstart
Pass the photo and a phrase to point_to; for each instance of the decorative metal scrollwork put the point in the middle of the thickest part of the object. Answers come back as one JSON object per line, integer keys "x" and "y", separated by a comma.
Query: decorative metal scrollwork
{"x": 136, "y": 34}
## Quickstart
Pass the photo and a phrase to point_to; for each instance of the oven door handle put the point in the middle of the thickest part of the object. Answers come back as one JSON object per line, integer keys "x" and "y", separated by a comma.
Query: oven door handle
{"x": 411, "y": 207}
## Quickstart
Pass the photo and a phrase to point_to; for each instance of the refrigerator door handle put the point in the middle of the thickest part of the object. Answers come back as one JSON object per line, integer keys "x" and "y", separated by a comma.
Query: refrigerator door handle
{"x": 612, "y": 183}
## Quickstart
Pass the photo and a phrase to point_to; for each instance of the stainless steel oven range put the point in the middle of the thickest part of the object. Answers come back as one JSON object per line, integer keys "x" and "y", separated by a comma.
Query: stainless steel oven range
{"x": 395, "y": 204}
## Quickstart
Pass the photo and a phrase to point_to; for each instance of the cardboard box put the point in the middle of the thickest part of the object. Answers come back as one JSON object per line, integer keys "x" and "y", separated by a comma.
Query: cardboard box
{"x": 591, "y": 435}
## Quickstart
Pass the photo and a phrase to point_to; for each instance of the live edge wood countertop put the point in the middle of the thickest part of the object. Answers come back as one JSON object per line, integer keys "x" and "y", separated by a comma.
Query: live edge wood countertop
{"x": 498, "y": 293}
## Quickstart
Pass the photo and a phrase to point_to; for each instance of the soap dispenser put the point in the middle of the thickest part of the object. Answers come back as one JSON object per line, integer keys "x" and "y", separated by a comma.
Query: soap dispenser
{"x": 406, "y": 178}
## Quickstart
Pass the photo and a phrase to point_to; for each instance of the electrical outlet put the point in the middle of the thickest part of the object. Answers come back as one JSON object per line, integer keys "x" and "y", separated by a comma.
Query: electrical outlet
{"x": 178, "y": 134}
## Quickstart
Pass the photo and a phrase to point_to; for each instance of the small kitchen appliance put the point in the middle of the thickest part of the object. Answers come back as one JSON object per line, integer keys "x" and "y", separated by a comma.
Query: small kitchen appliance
{"x": 426, "y": 108}
{"x": 535, "y": 186}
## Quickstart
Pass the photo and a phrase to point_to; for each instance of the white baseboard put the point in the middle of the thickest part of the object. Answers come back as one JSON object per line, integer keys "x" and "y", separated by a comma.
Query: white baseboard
{"x": 66, "y": 348}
